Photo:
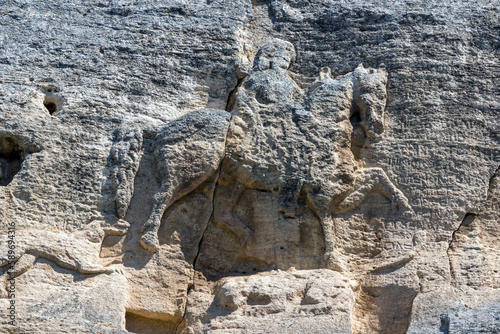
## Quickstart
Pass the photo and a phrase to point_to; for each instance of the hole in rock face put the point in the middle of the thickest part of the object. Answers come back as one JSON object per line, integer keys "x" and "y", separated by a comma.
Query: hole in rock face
{"x": 355, "y": 118}
{"x": 11, "y": 158}
{"x": 51, "y": 106}
{"x": 358, "y": 135}
{"x": 138, "y": 324}
{"x": 52, "y": 101}
{"x": 257, "y": 299}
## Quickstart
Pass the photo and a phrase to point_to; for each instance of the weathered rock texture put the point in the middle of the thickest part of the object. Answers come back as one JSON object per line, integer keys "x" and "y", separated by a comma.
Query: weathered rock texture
{"x": 249, "y": 166}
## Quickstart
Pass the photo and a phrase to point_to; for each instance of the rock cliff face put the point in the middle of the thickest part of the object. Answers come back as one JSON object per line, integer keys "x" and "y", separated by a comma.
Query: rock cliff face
{"x": 249, "y": 166}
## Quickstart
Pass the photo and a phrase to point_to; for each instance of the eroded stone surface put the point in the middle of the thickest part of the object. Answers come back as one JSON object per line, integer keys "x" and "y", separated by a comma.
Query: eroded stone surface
{"x": 317, "y": 301}
{"x": 289, "y": 166}
{"x": 329, "y": 196}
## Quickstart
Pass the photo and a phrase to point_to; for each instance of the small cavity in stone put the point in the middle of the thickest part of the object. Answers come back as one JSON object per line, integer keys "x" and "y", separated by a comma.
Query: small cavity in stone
{"x": 52, "y": 100}
{"x": 11, "y": 158}
{"x": 51, "y": 106}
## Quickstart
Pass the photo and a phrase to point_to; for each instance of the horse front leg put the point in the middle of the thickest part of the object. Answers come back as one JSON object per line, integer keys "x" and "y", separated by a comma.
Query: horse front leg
{"x": 375, "y": 178}
{"x": 320, "y": 203}
{"x": 399, "y": 202}
{"x": 332, "y": 258}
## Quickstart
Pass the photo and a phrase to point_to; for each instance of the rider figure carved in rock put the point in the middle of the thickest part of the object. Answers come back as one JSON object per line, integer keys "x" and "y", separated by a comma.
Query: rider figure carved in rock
{"x": 283, "y": 139}
{"x": 289, "y": 141}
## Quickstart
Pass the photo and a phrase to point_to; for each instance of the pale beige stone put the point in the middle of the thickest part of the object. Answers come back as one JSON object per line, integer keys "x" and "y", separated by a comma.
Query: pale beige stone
{"x": 308, "y": 166}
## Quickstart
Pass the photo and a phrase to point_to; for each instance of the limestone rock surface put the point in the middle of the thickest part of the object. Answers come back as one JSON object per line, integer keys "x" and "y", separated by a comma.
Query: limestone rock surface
{"x": 215, "y": 166}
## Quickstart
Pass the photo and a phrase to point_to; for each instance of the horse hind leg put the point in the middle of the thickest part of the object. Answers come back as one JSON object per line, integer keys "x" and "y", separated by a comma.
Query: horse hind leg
{"x": 170, "y": 192}
{"x": 149, "y": 240}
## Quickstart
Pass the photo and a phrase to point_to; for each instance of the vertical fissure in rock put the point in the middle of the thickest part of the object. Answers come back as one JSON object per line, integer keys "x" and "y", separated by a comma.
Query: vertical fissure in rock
{"x": 201, "y": 239}
{"x": 466, "y": 221}
{"x": 231, "y": 99}
{"x": 219, "y": 170}
{"x": 358, "y": 135}
{"x": 211, "y": 217}
{"x": 184, "y": 313}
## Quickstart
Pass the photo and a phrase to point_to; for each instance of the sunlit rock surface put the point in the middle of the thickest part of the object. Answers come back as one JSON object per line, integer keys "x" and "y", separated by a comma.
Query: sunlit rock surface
{"x": 249, "y": 167}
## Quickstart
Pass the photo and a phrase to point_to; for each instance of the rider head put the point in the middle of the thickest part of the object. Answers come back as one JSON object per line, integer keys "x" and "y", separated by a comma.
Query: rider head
{"x": 274, "y": 54}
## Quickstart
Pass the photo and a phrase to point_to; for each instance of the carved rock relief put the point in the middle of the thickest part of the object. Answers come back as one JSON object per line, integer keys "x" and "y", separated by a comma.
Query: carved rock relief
{"x": 300, "y": 149}
{"x": 301, "y": 146}
{"x": 287, "y": 159}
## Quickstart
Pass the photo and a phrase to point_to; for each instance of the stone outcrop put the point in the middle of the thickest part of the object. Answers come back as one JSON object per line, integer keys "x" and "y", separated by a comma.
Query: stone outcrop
{"x": 249, "y": 167}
